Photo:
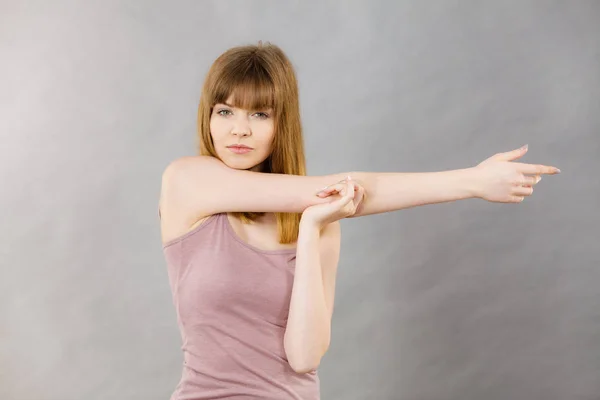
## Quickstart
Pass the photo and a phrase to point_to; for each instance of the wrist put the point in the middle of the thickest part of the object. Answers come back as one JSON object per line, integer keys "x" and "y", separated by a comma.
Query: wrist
{"x": 308, "y": 224}
{"x": 471, "y": 182}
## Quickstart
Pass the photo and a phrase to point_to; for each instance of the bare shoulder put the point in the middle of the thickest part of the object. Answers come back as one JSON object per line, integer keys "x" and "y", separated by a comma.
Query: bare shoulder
{"x": 182, "y": 169}
{"x": 177, "y": 212}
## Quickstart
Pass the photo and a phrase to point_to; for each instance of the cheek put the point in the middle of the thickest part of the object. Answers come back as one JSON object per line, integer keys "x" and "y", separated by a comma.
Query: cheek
{"x": 216, "y": 128}
{"x": 265, "y": 131}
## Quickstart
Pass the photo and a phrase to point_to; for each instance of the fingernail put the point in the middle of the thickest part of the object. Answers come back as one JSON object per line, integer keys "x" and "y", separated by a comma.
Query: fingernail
{"x": 349, "y": 178}
{"x": 525, "y": 147}
{"x": 557, "y": 171}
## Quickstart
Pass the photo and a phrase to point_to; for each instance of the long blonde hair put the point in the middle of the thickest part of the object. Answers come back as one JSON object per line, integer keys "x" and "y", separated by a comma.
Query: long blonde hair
{"x": 259, "y": 76}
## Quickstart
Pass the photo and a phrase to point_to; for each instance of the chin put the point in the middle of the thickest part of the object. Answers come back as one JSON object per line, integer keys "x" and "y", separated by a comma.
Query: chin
{"x": 238, "y": 164}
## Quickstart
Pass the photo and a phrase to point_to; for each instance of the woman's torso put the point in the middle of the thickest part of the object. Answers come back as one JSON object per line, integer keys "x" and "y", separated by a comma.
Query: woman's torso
{"x": 231, "y": 285}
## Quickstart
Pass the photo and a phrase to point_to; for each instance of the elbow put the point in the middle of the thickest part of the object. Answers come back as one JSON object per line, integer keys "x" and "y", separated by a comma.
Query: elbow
{"x": 304, "y": 367}
{"x": 304, "y": 354}
{"x": 305, "y": 363}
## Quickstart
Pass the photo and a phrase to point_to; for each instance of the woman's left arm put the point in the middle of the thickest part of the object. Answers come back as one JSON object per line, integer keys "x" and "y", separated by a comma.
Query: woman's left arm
{"x": 308, "y": 331}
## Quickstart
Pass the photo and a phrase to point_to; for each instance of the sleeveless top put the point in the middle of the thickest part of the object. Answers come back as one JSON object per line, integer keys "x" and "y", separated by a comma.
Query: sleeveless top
{"x": 232, "y": 301}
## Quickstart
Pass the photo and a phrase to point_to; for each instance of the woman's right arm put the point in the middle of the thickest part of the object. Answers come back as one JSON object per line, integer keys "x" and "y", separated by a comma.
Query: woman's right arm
{"x": 199, "y": 186}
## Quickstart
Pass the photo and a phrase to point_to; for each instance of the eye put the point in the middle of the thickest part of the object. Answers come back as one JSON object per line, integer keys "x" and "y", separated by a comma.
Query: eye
{"x": 221, "y": 112}
{"x": 262, "y": 115}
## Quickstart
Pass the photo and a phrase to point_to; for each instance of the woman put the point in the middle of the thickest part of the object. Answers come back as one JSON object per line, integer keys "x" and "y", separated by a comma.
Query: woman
{"x": 252, "y": 244}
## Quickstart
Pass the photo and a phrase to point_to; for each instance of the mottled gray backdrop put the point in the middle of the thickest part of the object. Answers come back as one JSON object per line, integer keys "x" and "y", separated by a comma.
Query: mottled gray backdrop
{"x": 467, "y": 301}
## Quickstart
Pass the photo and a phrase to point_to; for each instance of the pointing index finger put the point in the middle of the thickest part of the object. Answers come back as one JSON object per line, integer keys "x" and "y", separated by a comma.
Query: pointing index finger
{"x": 351, "y": 187}
{"x": 537, "y": 169}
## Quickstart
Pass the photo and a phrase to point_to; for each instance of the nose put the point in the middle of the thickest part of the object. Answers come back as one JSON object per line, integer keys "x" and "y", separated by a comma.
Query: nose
{"x": 241, "y": 128}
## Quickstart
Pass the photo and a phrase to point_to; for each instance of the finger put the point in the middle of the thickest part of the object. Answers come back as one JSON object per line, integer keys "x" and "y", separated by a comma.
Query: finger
{"x": 530, "y": 180}
{"x": 349, "y": 189}
{"x": 360, "y": 194}
{"x": 517, "y": 199}
{"x": 341, "y": 189}
{"x": 356, "y": 185}
{"x": 349, "y": 205}
{"x": 336, "y": 187}
{"x": 536, "y": 169}
{"x": 512, "y": 155}
{"x": 523, "y": 191}
{"x": 347, "y": 196}
{"x": 359, "y": 200}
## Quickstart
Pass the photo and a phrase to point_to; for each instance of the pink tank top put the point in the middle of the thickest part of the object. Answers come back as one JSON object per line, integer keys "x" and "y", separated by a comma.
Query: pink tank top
{"x": 232, "y": 301}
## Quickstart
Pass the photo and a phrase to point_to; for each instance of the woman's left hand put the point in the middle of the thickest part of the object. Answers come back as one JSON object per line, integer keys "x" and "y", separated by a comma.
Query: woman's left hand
{"x": 347, "y": 195}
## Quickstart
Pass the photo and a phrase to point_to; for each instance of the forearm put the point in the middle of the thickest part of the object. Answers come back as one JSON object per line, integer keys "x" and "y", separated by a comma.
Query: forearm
{"x": 308, "y": 327}
{"x": 390, "y": 191}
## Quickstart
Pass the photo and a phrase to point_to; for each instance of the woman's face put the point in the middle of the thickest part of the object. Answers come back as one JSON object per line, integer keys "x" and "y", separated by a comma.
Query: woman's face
{"x": 230, "y": 126}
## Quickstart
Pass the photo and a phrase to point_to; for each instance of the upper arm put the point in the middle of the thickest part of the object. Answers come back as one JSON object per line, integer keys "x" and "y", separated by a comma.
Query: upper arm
{"x": 329, "y": 249}
{"x": 206, "y": 186}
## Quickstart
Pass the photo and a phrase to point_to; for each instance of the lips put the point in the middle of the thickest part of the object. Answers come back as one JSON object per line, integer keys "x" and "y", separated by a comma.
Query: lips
{"x": 239, "y": 146}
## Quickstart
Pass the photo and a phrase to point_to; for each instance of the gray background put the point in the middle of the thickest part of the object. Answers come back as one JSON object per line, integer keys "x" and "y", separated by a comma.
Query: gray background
{"x": 464, "y": 300}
